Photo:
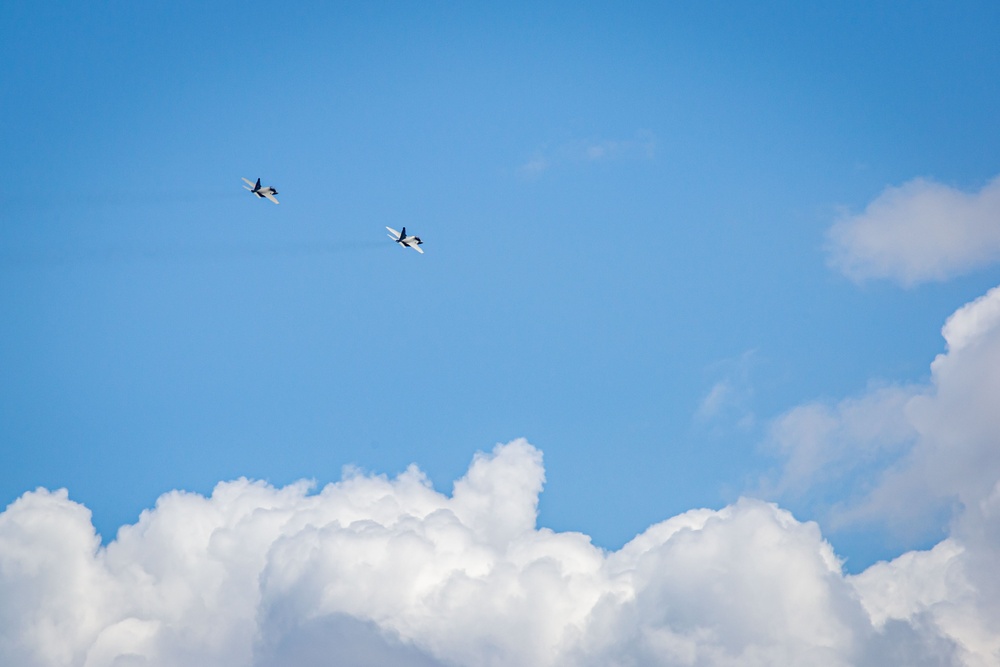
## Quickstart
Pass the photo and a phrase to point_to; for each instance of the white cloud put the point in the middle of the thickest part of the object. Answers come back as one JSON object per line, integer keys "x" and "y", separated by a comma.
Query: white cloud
{"x": 917, "y": 450}
{"x": 729, "y": 400}
{"x": 973, "y": 322}
{"x": 372, "y": 570}
{"x": 819, "y": 441}
{"x": 536, "y": 165}
{"x": 953, "y": 589}
{"x": 918, "y": 232}
{"x": 584, "y": 151}
{"x": 717, "y": 398}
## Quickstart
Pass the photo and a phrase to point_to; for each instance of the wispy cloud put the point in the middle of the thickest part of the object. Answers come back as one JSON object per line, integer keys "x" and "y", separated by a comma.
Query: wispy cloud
{"x": 372, "y": 569}
{"x": 584, "y": 151}
{"x": 536, "y": 165}
{"x": 921, "y": 231}
{"x": 729, "y": 401}
{"x": 822, "y": 441}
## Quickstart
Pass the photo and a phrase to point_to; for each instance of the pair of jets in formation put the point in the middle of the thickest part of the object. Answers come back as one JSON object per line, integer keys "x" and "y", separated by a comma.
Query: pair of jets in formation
{"x": 267, "y": 192}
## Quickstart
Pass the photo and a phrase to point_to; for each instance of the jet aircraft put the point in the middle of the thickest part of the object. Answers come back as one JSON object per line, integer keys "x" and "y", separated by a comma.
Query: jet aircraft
{"x": 262, "y": 192}
{"x": 404, "y": 240}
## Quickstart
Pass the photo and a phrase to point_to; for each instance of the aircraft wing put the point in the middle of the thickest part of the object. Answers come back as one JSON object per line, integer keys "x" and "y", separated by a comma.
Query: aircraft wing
{"x": 415, "y": 247}
{"x": 393, "y": 233}
{"x": 248, "y": 182}
{"x": 271, "y": 197}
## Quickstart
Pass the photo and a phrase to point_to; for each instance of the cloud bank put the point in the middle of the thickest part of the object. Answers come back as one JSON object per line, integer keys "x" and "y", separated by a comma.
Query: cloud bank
{"x": 374, "y": 571}
{"x": 921, "y": 231}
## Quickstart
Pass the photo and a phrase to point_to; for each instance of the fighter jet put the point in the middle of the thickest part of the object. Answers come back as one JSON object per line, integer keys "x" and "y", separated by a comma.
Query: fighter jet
{"x": 262, "y": 192}
{"x": 404, "y": 240}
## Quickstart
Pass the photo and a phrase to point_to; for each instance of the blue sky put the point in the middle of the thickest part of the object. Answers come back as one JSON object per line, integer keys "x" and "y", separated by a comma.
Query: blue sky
{"x": 622, "y": 210}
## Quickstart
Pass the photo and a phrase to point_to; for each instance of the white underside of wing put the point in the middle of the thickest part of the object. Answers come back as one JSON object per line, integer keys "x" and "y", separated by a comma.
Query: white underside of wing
{"x": 393, "y": 233}
{"x": 271, "y": 197}
{"x": 415, "y": 247}
{"x": 248, "y": 182}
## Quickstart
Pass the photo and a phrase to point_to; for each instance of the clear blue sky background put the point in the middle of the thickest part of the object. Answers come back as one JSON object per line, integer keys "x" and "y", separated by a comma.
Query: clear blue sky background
{"x": 621, "y": 207}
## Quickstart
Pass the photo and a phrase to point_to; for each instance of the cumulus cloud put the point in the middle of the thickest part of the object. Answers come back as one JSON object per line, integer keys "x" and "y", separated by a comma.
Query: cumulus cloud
{"x": 913, "y": 451}
{"x": 371, "y": 570}
{"x": 952, "y": 589}
{"x": 918, "y": 232}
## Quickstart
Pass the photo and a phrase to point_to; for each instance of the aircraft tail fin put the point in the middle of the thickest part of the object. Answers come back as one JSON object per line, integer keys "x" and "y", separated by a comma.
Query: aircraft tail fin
{"x": 257, "y": 187}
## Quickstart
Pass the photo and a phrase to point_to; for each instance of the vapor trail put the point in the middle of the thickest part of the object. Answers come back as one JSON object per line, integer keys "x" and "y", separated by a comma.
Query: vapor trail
{"x": 124, "y": 253}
